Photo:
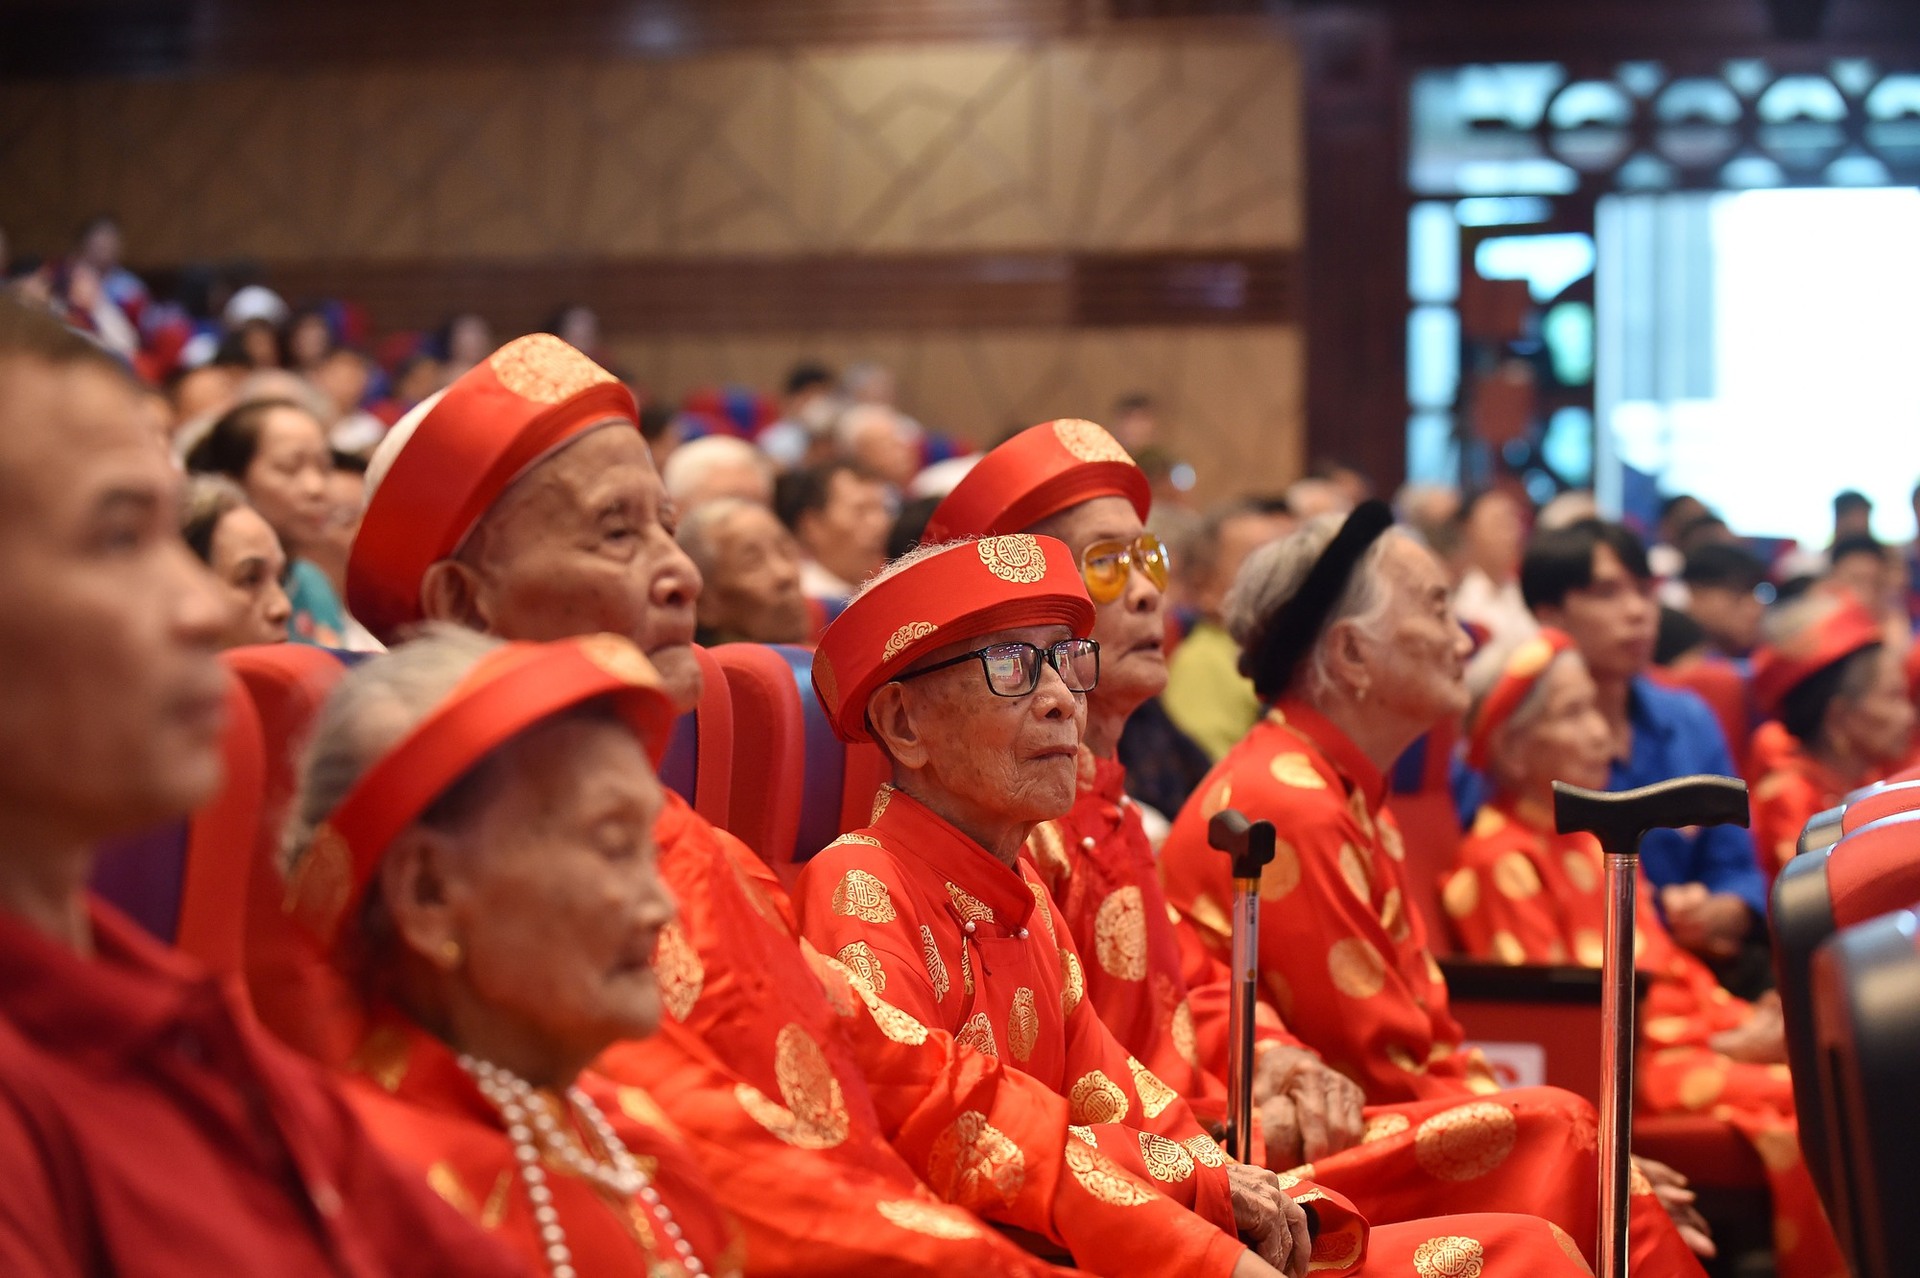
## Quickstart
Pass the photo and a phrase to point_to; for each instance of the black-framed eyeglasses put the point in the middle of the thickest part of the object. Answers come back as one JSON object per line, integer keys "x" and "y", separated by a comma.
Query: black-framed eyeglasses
{"x": 1013, "y": 669}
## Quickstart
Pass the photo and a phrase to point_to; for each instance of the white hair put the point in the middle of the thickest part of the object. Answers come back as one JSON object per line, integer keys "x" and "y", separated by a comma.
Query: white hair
{"x": 698, "y": 527}
{"x": 859, "y": 418}
{"x": 389, "y": 450}
{"x": 919, "y": 554}
{"x": 1274, "y": 573}
{"x": 692, "y": 466}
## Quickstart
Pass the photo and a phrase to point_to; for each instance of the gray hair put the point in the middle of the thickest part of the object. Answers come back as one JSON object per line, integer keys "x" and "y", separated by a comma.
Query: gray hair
{"x": 208, "y": 499}
{"x": 894, "y": 567}
{"x": 691, "y": 466}
{"x": 1274, "y": 573}
{"x": 700, "y": 525}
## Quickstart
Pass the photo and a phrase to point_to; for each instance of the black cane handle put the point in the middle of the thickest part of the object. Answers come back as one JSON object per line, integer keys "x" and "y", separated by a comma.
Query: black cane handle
{"x": 1248, "y": 843}
{"x": 1620, "y": 818}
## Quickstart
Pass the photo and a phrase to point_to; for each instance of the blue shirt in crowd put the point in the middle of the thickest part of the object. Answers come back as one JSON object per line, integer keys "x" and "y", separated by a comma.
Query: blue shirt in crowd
{"x": 1676, "y": 735}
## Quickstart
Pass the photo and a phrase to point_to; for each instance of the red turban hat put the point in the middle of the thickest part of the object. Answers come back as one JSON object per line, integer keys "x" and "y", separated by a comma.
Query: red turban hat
{"x": 1039, "y": 472}
{"x": 1524, "y": 668}
{"x": 1837, "y": 635}
{"x": 959, "y": 592}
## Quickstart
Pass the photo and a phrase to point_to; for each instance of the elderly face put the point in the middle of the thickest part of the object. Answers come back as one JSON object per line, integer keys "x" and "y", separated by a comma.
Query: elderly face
{"x": 995, "y": 759}
{"x": 849, "y": 534}
{"x": 111, "y": 698}
{"x": 751, "y": 590}
{"x": 1613, "y": 620}
{"x": 1417, "y": 655}
{"x": 1131, "y": 629}
{"x": 245, "y": 555}
{"x": 583, "y": 543}
{"x": 1495, "y": 535}
{"x": 883, "y": 445}
{"x": 1878, "y": 725}
{"x": 287, "y": 481}
{"x": 1565, "y": 738}
{"x": 552, "y": 891}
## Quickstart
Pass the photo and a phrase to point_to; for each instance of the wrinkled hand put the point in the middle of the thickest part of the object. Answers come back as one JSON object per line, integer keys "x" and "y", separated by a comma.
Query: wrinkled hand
{"x": 1761, "y": 1041}
{"x": 1671, "y": 1189}
{"x": 1273, "y": 1224}
{"x": 1251, "y": 1266}
{"x": 1307, "y": 1110}
{"x": 1711, "y": 924}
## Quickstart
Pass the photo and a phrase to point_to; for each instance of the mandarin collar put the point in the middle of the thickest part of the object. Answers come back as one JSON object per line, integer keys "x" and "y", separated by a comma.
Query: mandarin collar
{"x": 1335, "y": 747}
{"x": 130, "y": 992}
{"x": 1103, "y": 779}
{"x": 405, "y": 1060}
{"x": 912, "y": 826}
{"x": 1525, "y": 813}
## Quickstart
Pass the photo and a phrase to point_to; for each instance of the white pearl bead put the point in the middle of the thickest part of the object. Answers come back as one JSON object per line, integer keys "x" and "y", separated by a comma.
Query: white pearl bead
{"x": 971, "y": 927}
{"x": 1023, "y": 934}
{"x": 1087, "y": 843}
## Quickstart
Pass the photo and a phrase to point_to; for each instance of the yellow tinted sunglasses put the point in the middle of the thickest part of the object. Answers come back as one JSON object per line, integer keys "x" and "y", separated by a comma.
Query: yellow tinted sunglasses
{"x": 1104, "y": 565}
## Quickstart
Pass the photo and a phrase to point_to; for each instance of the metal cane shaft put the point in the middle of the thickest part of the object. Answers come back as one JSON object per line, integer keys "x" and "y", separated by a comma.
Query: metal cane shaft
{"x": 1616, "y": 1080}
{"x": 1246, "y": 967}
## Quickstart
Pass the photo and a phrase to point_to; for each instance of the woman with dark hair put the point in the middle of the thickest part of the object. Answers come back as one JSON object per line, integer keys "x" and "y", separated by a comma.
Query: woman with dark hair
{"x": 1837, "y": 716}
{"x": 244, "y": 552}
{"x": 277, "y": 452}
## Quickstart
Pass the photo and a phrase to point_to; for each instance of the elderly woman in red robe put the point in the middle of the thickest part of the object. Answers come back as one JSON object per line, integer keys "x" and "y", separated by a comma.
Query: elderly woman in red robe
{"x": 969, "y": 663}
{"x": 475, "y": 833}
{"x": 1838, "y": 717}
{"x": 1523, "y": 893}
{"x": 1347, "y": 633}
{"x": 1160, "y": 991}
{"x": 844, "y": 1136}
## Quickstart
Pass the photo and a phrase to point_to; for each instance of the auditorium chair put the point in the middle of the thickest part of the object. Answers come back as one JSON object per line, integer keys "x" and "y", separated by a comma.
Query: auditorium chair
{"x": 1860, "y": 807}
{"x": 1867, "y": 1029}
{"x": 699, "y": 764}
{"x": 176, "y": 880}
{"x": 1870, "y": 872}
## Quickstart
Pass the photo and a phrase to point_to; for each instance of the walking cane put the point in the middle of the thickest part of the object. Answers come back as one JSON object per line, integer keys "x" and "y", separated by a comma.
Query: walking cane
{"x": 1250, "y": 844}
{"x": 1619, "y": 820}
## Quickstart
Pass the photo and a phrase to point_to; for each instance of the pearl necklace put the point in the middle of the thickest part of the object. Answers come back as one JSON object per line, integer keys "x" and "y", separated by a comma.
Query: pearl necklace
{"x": 526, "y": 1118}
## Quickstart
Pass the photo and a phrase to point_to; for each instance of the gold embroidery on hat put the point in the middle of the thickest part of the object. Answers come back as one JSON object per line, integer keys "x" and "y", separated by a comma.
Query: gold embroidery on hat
{"x": 912, "y": 632}
{"x": 544, "y": 369}
{"x": 1016, "y": 557}
{"x": 1089, "y": 441}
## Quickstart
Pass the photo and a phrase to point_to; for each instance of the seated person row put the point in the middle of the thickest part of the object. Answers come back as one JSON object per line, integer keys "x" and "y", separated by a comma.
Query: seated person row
{"x": 523, "y": 502}
{"x": 1348, "y": 634}
{"x": 968, "y": 663}
{"x": 1522, "y": 893}
{"x": 1161, "y": 992}
{"x": 147, "y": 1124}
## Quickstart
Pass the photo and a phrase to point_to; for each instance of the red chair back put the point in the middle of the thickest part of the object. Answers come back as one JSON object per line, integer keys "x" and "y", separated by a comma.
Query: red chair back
{"x": 1724, "y": 689}
{"x": 699, "y": 763}
{"x": 1883, "y": 801}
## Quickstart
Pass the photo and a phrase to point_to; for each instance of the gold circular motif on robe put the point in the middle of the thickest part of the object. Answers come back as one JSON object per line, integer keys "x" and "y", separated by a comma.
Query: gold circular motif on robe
{"x": 860, "y": 895}
{"x": 1700, "y": 1087}
{"x": 1568, "y": 1247}
{"x": 864, "y": 964}
{"x": 936, "y": 966}
{"x": 1507, "y": 948}
{"x": 1099, "y": 1177}
{"x": 1450, "y": 1256}
{"x": 1356, "y": 967}
{"x": 1166, "y": 1161}
{"x": 814, "y": 1115}
{"x": 617, "y": 656}
{"x": 1096, "y": 1099}
{"x": 1357, "y": 809}
{"x": 1089, "y": 441}
{"x": 1282, "y": 874}
{"x": 1381, "y": 1126}
{"x": 1488, "y": 822}
{"x": 1777, "y": 1147}
{"x": 1390, "y": 841}
{"x": 1017, "y": 558}
{"x": 1120, "y": 935}
{"x": 1217, "y": 800}
{"x": 974, "y": 1164}
{"x": 544, "y": 369}
{"x": 1205, "y": 1150}
{"x": 901, "y": 1027}
{"x": 678, "y": 971}
{"x": 1467, "y": 1141}
{"x": 837, "y": 981}
{"x": 1515, "y": 877}
{"x": 1402, "y": 1059}
{"x": 1023, "y": 1025}
{"x": 638, "y": 1105}
{"x": 977, "y": 1033}
{"x": 1667, "y": 1029}
{"x": 1154, "y": 1095}
{"x": 1336, "y": 1248}
{"x": 1078, "y": 1132}
{"x": 1296, "y": 770}
{"x": 1461, "y": 895}
{"x": 1073, "y": 983}
{"x": 1393, "y": 916}
{"x": 1353, "y": 869}
{"x": 1185, "y": 1040}
{"x": 1581, "y": 870}
{"x": 912, "y": 632}
{"x": 322, "y": 882}
{"x": 1209, "y": 917}
{"x": 881, "y": 797}
{"x": 1041, "y": 910}
{"x": 972, "y": 909}
{"x": 935, "y": 1220}
{"x": 1434, "y": 973}
{"x": 856, "y": 840}
{"x": 1589, "y": 950}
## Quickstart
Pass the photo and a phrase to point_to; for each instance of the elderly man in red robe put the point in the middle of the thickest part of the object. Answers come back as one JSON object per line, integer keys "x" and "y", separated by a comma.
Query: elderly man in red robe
{"x": 1160, "y": 991}
{"x": 523, "y": 502}
{"x": 147, "y": 1124}
{"x": 1347, "y": 632}
{"x": 1523, "y": 893}
{"x": 969, "y": 664}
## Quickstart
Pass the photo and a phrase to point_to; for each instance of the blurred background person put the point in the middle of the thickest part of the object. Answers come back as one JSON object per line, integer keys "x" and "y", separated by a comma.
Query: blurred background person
{"x": 1492, "y": 538}
{"x": 808, "y": 406}
{"x": 244, "y": 553}
{"x": 715, "y": 466}
{"x": 839, "y": 514}
{"x": 750, "y": 574}
{"x": 1727, "y": 595}
{"x": 882, "y": 441}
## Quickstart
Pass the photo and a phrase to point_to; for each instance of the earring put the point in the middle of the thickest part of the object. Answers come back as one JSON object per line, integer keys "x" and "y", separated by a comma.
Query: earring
{"x": 1360, "y": 693}
{"x": 450, "y": 953}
